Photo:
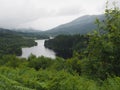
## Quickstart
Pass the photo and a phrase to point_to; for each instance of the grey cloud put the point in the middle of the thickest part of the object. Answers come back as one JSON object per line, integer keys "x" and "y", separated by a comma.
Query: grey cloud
{"x": 14, "y": 13}
{"x": 17, "y": 12}
{"x": 69, "y": 11}
{"x": 13, "y": 19}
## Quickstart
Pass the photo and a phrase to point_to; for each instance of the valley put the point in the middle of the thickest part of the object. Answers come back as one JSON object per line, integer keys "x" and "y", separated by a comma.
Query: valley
{"x": 81, "y": 55}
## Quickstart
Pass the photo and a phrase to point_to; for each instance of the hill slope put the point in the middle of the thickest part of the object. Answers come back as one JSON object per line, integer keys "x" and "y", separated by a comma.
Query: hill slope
{"x": 81, "y": 25}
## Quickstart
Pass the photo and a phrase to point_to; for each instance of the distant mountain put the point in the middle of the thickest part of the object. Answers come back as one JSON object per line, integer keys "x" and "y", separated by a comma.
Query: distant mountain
{"x": 81, "y": 25}
{"x": 7, "y": 31}
{"x": 27, "y": 34}
{"x": 2, "y": 30}
{"x": 29, "y": 30}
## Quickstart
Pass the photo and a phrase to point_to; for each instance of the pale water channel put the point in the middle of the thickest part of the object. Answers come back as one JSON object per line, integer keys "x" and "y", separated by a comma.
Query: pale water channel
{"x": 38, "y": 50}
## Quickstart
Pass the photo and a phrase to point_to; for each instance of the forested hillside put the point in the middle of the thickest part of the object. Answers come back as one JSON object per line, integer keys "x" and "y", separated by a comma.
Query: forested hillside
{"x": 66, "y": 45}
{"x": 12, "y": 42}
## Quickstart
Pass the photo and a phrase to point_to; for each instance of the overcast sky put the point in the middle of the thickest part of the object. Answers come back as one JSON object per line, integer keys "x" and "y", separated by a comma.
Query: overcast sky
{"x": 45, "y": 14}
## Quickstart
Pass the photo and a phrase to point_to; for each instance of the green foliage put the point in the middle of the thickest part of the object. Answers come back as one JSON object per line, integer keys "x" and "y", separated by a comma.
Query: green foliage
{"x": 30, "y": 79}
{"x": 111, "y": 84}
{"x": 104, "y": 48}
{"x": 11, "y": 61}
{"x": 74, "y": 64}
{"x": 58, "y": 64}
{"x": 40, "y": 62}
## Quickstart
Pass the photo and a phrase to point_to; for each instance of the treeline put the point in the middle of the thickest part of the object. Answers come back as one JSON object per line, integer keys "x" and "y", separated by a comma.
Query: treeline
{"x": 66, "y": 45}
{"x": 35, "y": 35}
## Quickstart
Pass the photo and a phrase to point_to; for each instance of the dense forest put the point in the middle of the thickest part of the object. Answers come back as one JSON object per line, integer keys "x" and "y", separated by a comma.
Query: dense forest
{"x": 11, "y": 43}
{"x": 47, "y": 74}
{"x": 66, "y": 45}
{"x": 95, "y": 67}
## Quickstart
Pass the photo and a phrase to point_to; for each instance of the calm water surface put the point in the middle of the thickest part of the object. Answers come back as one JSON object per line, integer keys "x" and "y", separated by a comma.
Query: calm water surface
{"x": 38, "y": 50}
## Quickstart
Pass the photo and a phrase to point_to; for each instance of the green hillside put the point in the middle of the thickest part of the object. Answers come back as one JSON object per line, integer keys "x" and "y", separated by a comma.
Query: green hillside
{"x": 11, "y": 42}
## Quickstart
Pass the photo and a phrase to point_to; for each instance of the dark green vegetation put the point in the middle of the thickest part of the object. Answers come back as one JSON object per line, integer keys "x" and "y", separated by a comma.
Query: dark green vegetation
{"x": 47, "y": 74}
{"x": 82, "y": 25}
{"x": 95, "y": 68}
{"x": 34, "y": 35}
{"x": 103, "y": 52}
{"x": 66, "y": 45}
{"x": 11, "y": 42}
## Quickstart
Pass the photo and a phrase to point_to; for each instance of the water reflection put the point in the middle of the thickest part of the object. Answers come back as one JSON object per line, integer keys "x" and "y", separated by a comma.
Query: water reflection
{"x": 38, "y": 50}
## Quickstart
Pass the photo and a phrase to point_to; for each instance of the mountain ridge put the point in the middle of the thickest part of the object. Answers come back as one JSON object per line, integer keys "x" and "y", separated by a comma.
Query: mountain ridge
{"x": 82, "y": 25}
